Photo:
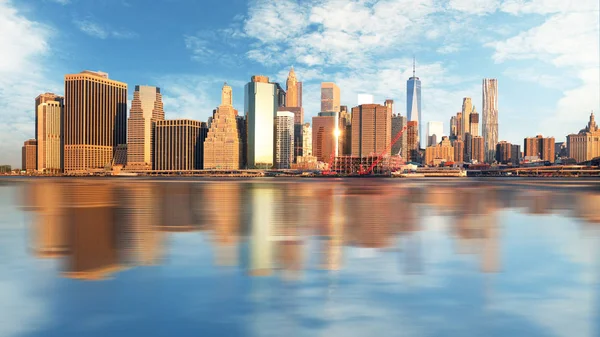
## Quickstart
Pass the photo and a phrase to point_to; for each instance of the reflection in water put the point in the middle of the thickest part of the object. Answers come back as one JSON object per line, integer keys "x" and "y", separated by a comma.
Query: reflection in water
{"x": 285, "y": 229}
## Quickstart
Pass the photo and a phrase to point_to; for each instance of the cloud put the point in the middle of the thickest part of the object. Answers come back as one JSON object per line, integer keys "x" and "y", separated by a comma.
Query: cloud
{"x": 102, "y": 32}
{"x": 478, "y": 7}
{"x": 23, "y": 76}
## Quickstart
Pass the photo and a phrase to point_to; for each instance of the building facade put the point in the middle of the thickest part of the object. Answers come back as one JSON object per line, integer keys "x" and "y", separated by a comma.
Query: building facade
{"x": 459, "y": 151}
{"x": 323, "y": 138}
{"x": 453, "y": 128}
{"x": 478, "y": 145}
{"x": 28, "y": 156}
{"x": 412, "y": 142}
{"x": 330, "y": 97}
{"x": 585, "y": 145}
{"x": 442, "y": 152}
{"x": 474, "y": 123}
{"x": 284, "y": 139}
{"x": 222, "y": 147}
{"x": 489, "y": 126}
{"x": 503, "y": 152}
{"x": 49, "y": 136}
{"x": 294, "y": 104}
{"x": 400, "y": 147}
{"x": 371, "y": 129}
{"x": 515, "y": 154}
{"x": 307, "y": 138}
{"x": 146, "y": 109}
{"x": 540, "y": 147}
{"x": 262, "y": 100}
{"x": 95, "y": 120}
{"x": 468, "y": 144}
{"x": 467, "y": 108}
{"x": 179, "y": 144}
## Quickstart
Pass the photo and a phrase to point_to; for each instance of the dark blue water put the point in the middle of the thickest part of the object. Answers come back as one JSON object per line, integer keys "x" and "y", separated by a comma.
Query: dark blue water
{"x": 318, "y": 257}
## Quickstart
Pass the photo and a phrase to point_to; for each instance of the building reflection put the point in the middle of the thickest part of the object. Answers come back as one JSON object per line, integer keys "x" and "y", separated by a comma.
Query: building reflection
{"x": 261, "y": 231}
{"x": 48, "y": 230}
{"x": 222, "y": 215}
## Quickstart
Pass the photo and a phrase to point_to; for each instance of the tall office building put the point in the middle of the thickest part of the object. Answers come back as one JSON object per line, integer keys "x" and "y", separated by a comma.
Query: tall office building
{"x": 442, "y": 152}
{"x": 146, "y": 109}
{"x": 468, "y": 143}
{"x": 294, "y": 104}
{"x": 262, "y": 100}
{"x": 345, "y": 131}
{"x": 474, "y": 123}
{"x": 412, "y": 141}
{"x": 284, "y": 139}
{"x": 371, "y": 129}
{"x": 503, "y": 152}
{"x": 241, "y": 126}
{"x": 478, "y": 153}
{"x": 222, "y": 146}
{"x": 28, "y": 156}
{"x": 49, "y": 136}
{"x": 330, "y": 97}
{"x": 467, "y": 108}
{"x": 400, "y": 147}
{"x": 540, "y": 147}
{"x": 489, "y": 125}
{"x": 459, "y": 151}
{"x": 307, "y": 144}
{"x": 95, "y": 122}
{"x": 459, "y": 126}
{"x": 413, "y": 101}
{"x": 453, "y": 128}
{"x": 585, "y": 145}
{"x": 323, "y": 137}
{"x": 179, "y": 144}
{"x": 515, "y": 154}
{"x": 435, "y": 131}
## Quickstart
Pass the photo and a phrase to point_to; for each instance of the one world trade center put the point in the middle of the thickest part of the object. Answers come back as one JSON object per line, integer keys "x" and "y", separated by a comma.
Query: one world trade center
{"x": 413, "y": 101}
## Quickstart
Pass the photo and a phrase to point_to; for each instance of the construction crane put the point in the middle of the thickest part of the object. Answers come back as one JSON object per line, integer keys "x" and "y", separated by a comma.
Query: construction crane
{"x": 362, "y": 172}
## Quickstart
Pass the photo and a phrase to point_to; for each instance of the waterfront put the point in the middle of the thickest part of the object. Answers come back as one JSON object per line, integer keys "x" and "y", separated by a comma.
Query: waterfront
{"x": 299, "y": 257}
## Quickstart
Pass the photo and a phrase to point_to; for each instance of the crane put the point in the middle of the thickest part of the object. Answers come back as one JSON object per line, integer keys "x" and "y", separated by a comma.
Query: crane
{"x": 382, "y": 154}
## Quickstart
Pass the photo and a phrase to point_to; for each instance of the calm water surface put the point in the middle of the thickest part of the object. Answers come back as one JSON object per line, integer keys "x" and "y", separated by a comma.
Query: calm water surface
{"x": 303, "y": 257}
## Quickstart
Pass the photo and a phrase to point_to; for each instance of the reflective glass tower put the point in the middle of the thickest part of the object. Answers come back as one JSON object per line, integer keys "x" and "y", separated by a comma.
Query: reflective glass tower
{"x": 413, "y": 101}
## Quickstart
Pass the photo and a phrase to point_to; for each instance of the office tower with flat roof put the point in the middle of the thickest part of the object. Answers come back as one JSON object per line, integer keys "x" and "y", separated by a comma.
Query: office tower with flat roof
{"x": 371, "y": 129}
{"x": 28, "y": 156}
{"x": 467, "y": 108}
{"x": 413, "y": 101}
{"x": 503, "y": 152}
{"x": 324, "y": 143}
{"x": 222, "y": 145}
{"x": 459, "y": 151}
{"x": 585, "y": 145}
{"x": 438, "y": 153}
{"x": 261, "y": 102}
{"x": 478, "y": 153}
{"x": 241, "y": 126}
{"x": 95, "y": 122}
{"x": 412, "y": 141}
{"x": 400, "y": 147}
{"x": 146, "y": 109}
{"x": 49, "y": 135}
{"x": 515, "y": 154}
{"x": 540, "y": 147}
{"x": 330, "y": 97}
{"x": 459, "y": 126}
{"x": 179, "y": 145}
{"x": 474, "y": 123}
{"x": 307, "y": 139}
{"x": 435, "y": 131}
{"x": 468, "y": 144}
{"x": 489, "y": 126}
{"x": 284, "y": 139}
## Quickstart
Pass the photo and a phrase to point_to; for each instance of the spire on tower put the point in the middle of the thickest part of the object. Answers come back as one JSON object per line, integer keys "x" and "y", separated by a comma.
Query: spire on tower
{"x": 414, "y": 66}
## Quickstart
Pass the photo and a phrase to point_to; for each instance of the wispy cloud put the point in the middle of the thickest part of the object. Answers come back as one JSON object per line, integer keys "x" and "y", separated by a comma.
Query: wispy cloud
{"x": 100, "y": 31}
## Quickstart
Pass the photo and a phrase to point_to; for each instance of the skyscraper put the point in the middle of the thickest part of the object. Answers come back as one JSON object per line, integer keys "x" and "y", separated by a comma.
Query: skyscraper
{"x": 468, "y": 143}
{"x": 489, "y": 126}
{"x": 503, "y": 152}
{"x": 585, "y": 145}
{"x": 413, "y": 100}
{"x": 539, "y": 147}
{"x": 412, "y": 141}
{"x": 453, "y": 127}
{"x": 179, "y": 144}
{"x": 323, "y": 137}
{"x": 515, "y": 154}
{"x": 330, "y": 97}
{"x": 474, "y": 123}
{"x": 400, "y": 147}
{"x": 307, "y": 145}
{"x": 28, "y": 156}
{"x": 294, "y": 104}
{"x": 459, "y": 126}
{"x": 261, "y": 101}
{"x": 146, "y": 109}
{"x": 49, "y": 135}
{"x": 459, "y": 151}
{"x": 284, "y": 139}
{"x": 222, "y": 146}
{"x": 95, "y": 122}
{"x": 478, "y": 153}
{"x": 467, "y": 108}
{"x": 371, "y": 129}
{"x": 435, "y": 131}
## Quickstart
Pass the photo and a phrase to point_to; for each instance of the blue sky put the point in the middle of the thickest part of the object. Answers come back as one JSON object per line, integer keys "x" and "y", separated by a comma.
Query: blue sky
{"x": 543, "y": 52}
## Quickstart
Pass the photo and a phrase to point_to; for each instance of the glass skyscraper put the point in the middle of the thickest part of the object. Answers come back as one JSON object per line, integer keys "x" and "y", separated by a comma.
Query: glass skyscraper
{"x": 413, "y": 102}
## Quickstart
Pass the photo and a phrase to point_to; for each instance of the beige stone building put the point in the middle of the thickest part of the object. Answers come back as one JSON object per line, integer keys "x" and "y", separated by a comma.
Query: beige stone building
{"x": 467, "y": 108}
{"x": 48, "y": 121}
{"x": 439, "y": 152}
{"x": 478, "y": 149}
{"x": 585, "y": 145}
{"x": 95, "y": 120}
{"x": 146, "y": 109}
{"x": 28, "y": 156}
{"x": 330, "y": 97}
{"x": 222, "y": 146}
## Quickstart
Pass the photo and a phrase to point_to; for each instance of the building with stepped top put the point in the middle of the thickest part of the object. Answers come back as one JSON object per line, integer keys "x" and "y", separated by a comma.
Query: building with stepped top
{"x": 222, "y": 145}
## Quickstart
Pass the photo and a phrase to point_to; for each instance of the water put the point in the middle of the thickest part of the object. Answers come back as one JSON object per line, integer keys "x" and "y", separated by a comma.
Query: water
{"x": 299, "y": 257}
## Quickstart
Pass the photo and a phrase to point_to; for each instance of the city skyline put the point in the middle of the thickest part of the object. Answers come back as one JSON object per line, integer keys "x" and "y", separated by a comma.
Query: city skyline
{"x": 450, "y": 65}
